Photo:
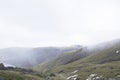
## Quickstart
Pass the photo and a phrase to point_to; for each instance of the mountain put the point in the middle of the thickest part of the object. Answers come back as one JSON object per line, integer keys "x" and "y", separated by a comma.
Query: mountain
{"x": 61, "y": 63}
{"x": 29, "y": 57}
{"x": 63, "y": 59}
{"x": 102, "y": 59}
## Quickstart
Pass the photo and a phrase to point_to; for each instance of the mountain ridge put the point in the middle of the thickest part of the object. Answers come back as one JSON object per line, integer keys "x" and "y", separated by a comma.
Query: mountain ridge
{"x": 29, "y": 57}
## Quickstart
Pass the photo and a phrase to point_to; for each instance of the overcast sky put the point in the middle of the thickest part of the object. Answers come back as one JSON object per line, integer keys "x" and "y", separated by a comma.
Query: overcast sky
{"x": 33, "y": 23}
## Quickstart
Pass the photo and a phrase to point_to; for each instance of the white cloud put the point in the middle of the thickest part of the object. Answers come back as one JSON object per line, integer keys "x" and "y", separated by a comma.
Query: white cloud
{"x": 31, "y": 23}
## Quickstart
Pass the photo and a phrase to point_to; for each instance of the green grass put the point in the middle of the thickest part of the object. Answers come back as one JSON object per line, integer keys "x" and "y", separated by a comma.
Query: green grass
{"x": 108, "y": 70}
{"x": 15, "y": 75}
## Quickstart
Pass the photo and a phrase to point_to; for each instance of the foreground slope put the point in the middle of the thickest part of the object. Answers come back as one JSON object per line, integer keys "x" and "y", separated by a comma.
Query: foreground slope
{"x": 14, "y": 73}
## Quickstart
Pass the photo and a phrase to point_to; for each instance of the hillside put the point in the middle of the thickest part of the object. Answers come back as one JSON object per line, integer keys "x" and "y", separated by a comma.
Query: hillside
{"x": 63, "y": 59}
{"x": 103, "y": 60}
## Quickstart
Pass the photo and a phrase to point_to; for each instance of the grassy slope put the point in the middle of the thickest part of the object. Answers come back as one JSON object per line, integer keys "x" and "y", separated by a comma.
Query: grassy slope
{"x": 104, "y": 62}
{"x": 15, "y": 75}
{"x": 111, "y": 69}
{"x": 63, "y": 59}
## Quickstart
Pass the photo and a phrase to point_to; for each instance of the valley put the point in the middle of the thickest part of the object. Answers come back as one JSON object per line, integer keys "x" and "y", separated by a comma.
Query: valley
{"x": 100, "y": 62}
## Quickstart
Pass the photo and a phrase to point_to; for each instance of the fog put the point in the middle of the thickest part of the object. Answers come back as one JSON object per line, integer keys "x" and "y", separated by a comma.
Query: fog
{"x": 17, "y": 56}
{"x": 34, "y": 23}
{"x": 29, "y": 57}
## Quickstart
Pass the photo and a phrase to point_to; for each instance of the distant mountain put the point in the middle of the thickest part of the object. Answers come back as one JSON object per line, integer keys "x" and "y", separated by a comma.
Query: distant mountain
{"x": 8, "y": 65}
{"x": 29, "y": 57}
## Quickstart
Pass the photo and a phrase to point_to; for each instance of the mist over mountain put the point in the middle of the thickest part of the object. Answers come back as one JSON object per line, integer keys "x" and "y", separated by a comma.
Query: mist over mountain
{"x": 102, "y": 59}
{"x": 29, "y": 57}
{"x": 63, "y": 62}
{"x": 101, "y": 53}
{"x": 35, "y": 34}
